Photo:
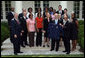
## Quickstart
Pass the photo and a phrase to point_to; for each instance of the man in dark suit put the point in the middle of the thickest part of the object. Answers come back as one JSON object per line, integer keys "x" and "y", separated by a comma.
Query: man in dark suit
{"x": 66, "y": 38}
{"x": 60, "y": 11}
{"x": 10, "y": 15}
{"x": 22, "y": 18}
{"x": 54, "y": 30}
{"x": 16, "y": 33}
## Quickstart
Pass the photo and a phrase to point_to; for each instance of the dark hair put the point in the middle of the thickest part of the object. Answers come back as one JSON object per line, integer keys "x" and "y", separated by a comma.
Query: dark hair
{"x": 11, "y": 9}
{"x": 51, "y": 8}
{"x": 30, "y": 15}
{"x": 54, "y": 10}
{"x": 74, "y": 14}
{"x": 47, "y": 8}
{"x": 38, "y": 14}
{"x": 29, "y": 8}
{"x": 66, "y": 15}
{"x": 39, "y": 8}
{"x": 66, "y": 9}
{"x": 60, "y": 6}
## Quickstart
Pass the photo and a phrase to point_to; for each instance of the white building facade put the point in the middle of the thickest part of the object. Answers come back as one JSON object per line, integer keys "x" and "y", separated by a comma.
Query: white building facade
{"x": 77, "y": 6}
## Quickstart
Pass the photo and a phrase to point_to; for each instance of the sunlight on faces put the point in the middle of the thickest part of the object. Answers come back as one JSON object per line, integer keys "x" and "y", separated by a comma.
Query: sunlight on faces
{"x": 60, "y": 7}
{"x": 65, "y": 17}
{"x": 56, "y": 16}
{"x": 16, "y": 15}
{"x": 24, "y": 13}
{"x": 48, "y": 15}
{"x": 59, "y": 16}
{"x": 31, "y": 16}
{"x": 72, "y": 15}
{"x": 23, "y": 10}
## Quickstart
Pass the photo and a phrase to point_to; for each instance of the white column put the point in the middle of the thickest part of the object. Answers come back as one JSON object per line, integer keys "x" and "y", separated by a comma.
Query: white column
{"x": 18, "y": 6}
{"x": 33, "y": 7}
{"x": 3, "y": 10}
{"x": 41, "y": 5}
{"x": 80, "y": 11}
{"x": 63, "y": 4}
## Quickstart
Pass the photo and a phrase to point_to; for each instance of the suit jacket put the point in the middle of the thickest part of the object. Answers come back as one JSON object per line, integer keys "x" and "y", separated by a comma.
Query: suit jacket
{"x": 66, "y": 29}
{"x": 10, "y": 16}
{"x": 62, "y": 12}
{"x": 54, "y": 30}
{"x": 15, "y": 29}
{"x": 44, "y": 15}
{"x": 22, "y": 22}
{"x": 45, "y": 23}
{"x": 61, "y": 21}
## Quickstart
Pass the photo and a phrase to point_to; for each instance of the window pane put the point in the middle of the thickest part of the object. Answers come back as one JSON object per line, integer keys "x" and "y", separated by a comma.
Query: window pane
{"x": 45, "y": 4}
{"x": 1, "y": 11}
{"x": 76, "y": 8}
{"x": 37, "y": 5}
{"x": 7, "y": 7}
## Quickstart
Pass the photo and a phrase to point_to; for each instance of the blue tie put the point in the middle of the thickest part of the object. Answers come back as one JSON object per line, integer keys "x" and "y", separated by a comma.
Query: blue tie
{"x": 56, "y": 21}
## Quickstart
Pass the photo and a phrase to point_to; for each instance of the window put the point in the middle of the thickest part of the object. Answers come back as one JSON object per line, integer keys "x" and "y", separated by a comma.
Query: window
{"x": 1, "y": 11}
{"x": 76, "y": 8}
{"x": 37, "y": 5}
{"x": 45, "y": 4}
{"x": 83, "y": 10}
{"x": 7, "y": 7}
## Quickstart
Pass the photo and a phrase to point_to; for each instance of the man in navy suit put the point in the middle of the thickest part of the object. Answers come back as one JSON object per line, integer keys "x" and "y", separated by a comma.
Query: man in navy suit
{"x": 16, "y": 33}
{"x": 54, "y": 30}
{"x": 22, "y": 18}
{"x": 66, "y": 38}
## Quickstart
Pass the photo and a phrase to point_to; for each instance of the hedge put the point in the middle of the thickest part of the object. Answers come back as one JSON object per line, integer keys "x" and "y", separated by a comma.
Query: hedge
{"x": 4, "y": 31}
{"x": 81, "y": 34}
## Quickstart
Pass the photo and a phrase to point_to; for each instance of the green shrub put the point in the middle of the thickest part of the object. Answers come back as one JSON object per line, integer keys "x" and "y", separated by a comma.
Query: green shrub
{"x": 82, "y": 42}
{"x": 5, "y": 24}
{"x": 81, "y": 22}
{"x": 4, "y": 31}
{"x": 81, "y": 34}
{"x": 81, "y": 31}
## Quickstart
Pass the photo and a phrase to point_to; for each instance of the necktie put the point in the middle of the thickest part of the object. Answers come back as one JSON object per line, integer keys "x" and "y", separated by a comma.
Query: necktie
{"x": 17, "y": 21}
{"x": 56, "y": 21}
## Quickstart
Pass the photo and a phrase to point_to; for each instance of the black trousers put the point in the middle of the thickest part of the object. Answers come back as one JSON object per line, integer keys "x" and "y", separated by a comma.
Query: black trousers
{"x": 53, "y": 41}
{"x": 10, "y": 33}
{"x": 24, "y": 38}
{"x": 31, "y": 39}
{"x": 16, "y": 45}
{"x": 67, "y": 44}
{"x": 39, "y": 37}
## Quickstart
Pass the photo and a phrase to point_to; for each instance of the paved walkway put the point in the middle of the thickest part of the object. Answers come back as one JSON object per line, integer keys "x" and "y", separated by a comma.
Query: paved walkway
{"x": 8, "y": 49}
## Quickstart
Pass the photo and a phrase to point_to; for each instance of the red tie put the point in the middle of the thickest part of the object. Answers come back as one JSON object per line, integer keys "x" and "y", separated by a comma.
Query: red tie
{"x": 17, "y": 21}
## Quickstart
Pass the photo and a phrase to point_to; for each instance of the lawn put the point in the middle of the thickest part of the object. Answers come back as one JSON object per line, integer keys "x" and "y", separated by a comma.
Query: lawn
{"x": 61, "y": 55}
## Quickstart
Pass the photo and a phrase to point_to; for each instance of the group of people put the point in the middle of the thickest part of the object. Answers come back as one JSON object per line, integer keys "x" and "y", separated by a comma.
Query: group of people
{"x": 57, "y": 26}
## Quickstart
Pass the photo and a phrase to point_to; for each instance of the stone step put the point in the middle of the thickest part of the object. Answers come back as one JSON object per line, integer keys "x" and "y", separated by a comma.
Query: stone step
{"x": 8, "y": 49}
